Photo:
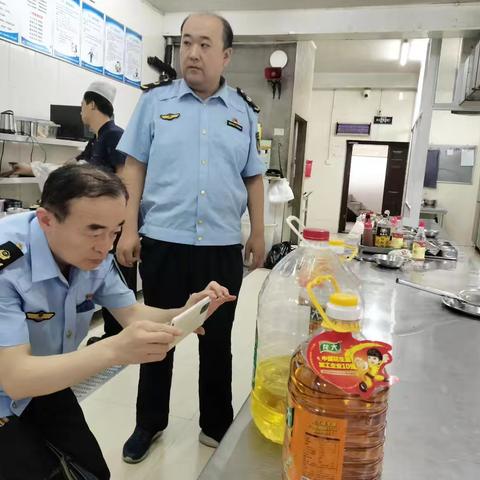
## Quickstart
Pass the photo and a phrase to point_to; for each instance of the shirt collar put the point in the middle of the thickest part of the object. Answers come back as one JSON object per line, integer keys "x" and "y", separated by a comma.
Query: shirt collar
{"x": 44, "y": 265}
{"x": 106, "y": 126}
{"x": 221, "y": 93}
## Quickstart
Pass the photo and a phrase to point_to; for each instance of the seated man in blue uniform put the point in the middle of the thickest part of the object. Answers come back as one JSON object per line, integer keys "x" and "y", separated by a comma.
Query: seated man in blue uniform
{"x": 54, "y": 268}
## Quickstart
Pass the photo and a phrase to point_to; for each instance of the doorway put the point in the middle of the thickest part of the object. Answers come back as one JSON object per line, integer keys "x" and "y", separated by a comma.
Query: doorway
{"x": 374, "y": 179}
{"x": 296, "y": 169}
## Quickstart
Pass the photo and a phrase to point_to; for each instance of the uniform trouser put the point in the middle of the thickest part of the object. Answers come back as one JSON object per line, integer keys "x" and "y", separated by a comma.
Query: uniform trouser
{"x": 111, "y": 326}
{"x": 170, "y": 273}
{"x": 58, "y": 419}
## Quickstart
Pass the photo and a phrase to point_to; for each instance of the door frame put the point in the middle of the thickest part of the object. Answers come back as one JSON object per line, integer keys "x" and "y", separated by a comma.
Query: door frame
{"x": 346, "y": 175}
{"x": 296, "y": 170}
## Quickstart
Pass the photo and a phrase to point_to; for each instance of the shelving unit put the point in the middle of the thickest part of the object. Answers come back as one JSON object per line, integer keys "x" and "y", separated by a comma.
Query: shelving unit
{"x": 6, "y": 137}
{"x": 18, "y": 180}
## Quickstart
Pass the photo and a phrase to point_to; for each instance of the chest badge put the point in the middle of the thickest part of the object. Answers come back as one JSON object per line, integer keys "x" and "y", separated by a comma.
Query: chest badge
{"x": 39, "y": 316}
{"x": 9, "y": 252}
{"x": 169, "y": 116}
{"x": 235, "y": 124}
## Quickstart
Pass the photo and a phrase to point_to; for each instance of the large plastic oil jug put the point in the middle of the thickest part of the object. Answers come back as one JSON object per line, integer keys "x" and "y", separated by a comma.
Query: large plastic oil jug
{"x": 285, "y": 319}
{"x": 337, "y": 398}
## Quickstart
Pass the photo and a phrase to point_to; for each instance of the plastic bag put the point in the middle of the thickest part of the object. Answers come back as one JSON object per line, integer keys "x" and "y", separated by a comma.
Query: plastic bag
{"x": 277, "y": 252}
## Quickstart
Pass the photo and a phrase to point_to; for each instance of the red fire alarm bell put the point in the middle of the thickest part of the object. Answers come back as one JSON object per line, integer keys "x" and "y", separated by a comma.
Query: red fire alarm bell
{"x": 273, "y": 73}
{"x": 308, "y": 168}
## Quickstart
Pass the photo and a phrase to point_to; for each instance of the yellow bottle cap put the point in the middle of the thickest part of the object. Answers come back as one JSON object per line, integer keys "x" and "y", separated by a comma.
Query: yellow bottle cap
{"x": 344, "y": 299}
{"x": 336, "y": 242}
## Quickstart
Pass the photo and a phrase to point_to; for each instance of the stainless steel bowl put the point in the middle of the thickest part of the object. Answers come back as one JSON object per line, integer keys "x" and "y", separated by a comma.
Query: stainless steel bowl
{"x": 429, "y": 233}
{"x": 388, "y": 261}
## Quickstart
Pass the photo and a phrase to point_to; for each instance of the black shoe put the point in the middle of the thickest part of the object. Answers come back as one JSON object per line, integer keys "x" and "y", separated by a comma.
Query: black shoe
{"x": 204, "y": 439}
{"x": 137, "y": 446}
{"x": 93, "y": 340}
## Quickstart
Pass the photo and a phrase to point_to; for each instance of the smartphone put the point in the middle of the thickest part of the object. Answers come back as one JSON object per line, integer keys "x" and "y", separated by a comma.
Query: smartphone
{"x": 191, "y": 319}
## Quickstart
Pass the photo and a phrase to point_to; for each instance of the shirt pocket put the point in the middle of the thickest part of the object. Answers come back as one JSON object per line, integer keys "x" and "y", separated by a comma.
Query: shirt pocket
{"x": 85, "y": 306}
{"x": 235, "y": 140}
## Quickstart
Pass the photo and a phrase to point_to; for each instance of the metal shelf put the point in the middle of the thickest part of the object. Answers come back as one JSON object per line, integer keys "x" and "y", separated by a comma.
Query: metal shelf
{"x": 18, "y": 180}
{"x": 7, "y": 137}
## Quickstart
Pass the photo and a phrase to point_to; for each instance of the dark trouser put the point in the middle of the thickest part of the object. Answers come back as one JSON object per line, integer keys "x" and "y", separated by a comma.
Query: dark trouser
{"x": 170, "y": 273}
{"x": 58, "y": 419}
{"x": 112, "y": 327}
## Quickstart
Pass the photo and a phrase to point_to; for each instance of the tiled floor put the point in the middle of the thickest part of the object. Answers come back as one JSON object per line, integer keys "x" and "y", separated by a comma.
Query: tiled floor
{"x": 110, "y": 411}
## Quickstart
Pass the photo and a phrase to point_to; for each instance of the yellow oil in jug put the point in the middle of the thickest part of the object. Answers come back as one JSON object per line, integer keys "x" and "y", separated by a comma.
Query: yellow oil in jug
{"x": 269, "y": 401}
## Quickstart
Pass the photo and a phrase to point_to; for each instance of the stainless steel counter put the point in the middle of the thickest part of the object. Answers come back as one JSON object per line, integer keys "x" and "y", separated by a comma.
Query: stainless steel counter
{"x": 433, "y": 428}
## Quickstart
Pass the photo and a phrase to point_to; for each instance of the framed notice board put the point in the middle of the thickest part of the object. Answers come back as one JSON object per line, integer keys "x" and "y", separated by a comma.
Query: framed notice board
{"x": 455, "y": 162}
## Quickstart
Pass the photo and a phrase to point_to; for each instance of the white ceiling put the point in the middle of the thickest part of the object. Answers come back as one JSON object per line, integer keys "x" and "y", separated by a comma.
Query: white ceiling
{"x": 225, "y": 5}
{"x": 364, "y": 56}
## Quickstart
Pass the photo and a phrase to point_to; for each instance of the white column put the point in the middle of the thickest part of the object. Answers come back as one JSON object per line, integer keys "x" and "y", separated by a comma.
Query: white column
{"x": 417, "y": 158}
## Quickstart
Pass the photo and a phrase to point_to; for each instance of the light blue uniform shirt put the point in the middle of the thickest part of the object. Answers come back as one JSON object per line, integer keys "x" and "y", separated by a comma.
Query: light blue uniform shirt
{"x": 197, "y": 154}
{"x": 33, "y": 287}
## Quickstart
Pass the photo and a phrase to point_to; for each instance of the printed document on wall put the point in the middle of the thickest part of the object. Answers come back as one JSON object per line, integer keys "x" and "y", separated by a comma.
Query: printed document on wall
{"x": 37, "y": 25}
{"x": 133, "y": 58}
{"x": 93, "y": 34}
{"x": 114, "y": 49}
{"x": 10, "y": 17}
{"x": 468, "y": 157}
{"x": 66, "y": 38}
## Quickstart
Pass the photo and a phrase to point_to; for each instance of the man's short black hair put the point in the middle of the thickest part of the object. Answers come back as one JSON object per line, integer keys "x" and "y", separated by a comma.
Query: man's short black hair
{"x": 78, "y": 181}
{"x": 227, "y": 28}
{"x": 373, "y": 352}
{"x": 102, "y": 103}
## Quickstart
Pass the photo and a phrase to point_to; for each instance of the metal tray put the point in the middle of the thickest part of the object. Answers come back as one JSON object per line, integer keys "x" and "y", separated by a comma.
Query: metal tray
{"x": 461, "y": 307}
{"x": 447, "y": 250}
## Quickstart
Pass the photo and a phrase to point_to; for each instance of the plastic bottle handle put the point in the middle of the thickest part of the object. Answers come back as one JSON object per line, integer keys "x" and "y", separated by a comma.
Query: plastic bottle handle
{"x": 292, "y": 218}
{"x": 327, "y": 323}
{"x": 353, "y": 254}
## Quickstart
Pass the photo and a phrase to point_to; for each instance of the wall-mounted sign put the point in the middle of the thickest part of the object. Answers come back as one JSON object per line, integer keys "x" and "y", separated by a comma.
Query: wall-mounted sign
{"x": 353, "y": 129}
{"x": 133, "y": 57}
{"x": 75, "y": 32}
{"x": 37, "y": 25}
{"x": 66, "y": 36}
{"x": 10, "y": 20}
{"x": 383, "y": 120}
{"x": 93, "y": 36}
{"x": 114, "y": 49}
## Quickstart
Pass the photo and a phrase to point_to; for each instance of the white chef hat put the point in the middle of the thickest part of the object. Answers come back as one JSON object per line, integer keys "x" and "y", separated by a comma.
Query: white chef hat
{"x": 104, "y": 89}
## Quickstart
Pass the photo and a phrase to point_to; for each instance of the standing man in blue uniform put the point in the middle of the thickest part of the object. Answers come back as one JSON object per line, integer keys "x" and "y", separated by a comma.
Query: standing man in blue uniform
{"x": 194, "y": 168}
{"x": 97, "y": 114}
{"x": 54, "y": 268}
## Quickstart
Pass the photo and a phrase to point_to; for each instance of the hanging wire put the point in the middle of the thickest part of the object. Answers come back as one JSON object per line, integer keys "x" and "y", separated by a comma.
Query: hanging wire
{"x": 1, "y": 156}
{"x": 279, "y": 145}
{"x": 35, "y": 141}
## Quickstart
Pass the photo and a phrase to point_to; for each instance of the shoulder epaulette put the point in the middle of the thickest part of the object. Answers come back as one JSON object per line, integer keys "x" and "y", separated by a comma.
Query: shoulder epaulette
{"x": 248, "y": 100}
{"x": 160, "y": 83}
{"x": 9, "y": 253}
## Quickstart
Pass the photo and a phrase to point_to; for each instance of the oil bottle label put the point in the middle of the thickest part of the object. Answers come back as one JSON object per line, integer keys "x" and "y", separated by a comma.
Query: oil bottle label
{"x": 353, "y": 366}
{"x": 314, "y": 446}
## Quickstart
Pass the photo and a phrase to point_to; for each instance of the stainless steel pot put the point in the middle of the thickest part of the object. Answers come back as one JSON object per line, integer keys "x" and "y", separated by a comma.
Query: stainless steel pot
{"x": 7, "y": 122}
